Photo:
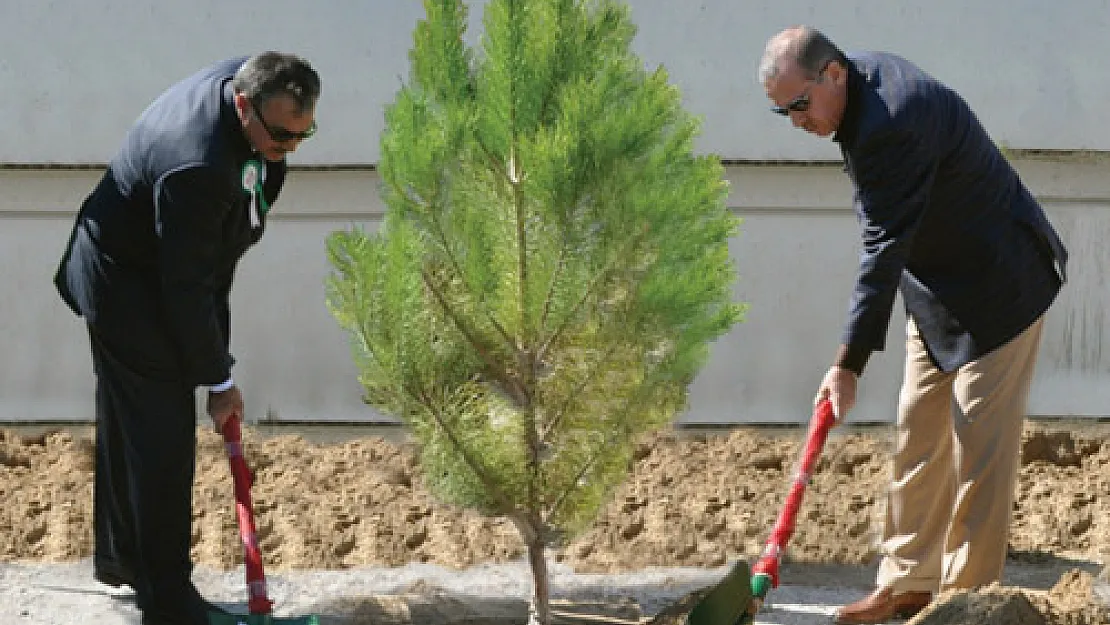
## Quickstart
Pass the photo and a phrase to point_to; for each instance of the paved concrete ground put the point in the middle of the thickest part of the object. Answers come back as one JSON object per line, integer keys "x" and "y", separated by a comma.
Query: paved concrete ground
{"x": 63, "y": 594}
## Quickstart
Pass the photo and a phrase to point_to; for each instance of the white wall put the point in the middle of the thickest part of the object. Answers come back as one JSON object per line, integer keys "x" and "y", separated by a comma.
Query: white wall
{"x": 76, "y": 73}
{"x": 796, "y": 256}
{"x": 294, "y": 360}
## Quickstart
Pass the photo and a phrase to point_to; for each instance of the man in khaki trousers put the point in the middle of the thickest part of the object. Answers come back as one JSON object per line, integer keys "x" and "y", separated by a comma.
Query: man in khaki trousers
{"x": 947, "y": 223}
{"x": 955, "y": 462}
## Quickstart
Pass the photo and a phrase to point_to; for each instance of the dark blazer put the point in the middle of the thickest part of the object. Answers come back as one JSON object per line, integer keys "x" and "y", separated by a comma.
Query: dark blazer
{"x": 153, "y": 251}
{"x": 945, "y": 218}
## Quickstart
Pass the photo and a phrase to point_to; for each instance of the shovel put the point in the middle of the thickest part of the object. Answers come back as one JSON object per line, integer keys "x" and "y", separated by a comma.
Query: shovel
{"x": 739, "y": 596}
{"x": 259, "y": 603}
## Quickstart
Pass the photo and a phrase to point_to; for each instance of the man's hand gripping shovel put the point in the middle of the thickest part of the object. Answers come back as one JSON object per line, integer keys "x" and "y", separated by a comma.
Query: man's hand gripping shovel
{"x": 737, "y": 598}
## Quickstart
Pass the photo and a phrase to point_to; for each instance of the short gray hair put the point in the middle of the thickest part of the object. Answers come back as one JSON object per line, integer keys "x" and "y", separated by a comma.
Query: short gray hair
{"x": 807, "y": 47}
{"x": 270, "y": 74}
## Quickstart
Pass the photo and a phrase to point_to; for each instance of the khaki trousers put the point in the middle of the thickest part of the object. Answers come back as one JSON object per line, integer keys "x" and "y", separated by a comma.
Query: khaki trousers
{"x": 956, "y": 456}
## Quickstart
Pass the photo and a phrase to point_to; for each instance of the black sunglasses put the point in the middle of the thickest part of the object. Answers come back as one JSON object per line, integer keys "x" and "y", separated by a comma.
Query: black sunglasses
{"x": 282, "y": 135}
{"x": 800, "y": 104}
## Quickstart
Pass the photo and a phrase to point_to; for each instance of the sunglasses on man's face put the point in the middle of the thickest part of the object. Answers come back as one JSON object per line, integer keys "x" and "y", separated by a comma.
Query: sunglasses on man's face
{"x": 279, "y": 134}
{"x": 799, "y": 104}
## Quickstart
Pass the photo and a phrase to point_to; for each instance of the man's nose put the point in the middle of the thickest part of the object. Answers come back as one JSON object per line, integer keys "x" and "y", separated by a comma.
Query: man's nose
{"x": 798, "y": 119}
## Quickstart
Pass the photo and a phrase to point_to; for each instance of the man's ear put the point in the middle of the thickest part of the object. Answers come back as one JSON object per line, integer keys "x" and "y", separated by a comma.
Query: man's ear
{"x": 837, "y": 73}
{"x": 242, "y": 105}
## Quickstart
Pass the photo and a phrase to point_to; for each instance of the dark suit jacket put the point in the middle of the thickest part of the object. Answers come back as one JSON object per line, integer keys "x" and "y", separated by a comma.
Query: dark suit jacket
{"x": 945, "y": 219}
{"x": 154, "y": 248}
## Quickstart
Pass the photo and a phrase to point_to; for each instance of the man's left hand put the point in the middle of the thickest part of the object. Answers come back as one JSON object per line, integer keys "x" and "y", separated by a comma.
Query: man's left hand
{"x": 225, "y": 405}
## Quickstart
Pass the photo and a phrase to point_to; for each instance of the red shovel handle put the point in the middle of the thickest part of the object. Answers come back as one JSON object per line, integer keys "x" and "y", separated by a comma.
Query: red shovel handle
{"x": 819, "y": 426}
{"x": 258, "y": 602}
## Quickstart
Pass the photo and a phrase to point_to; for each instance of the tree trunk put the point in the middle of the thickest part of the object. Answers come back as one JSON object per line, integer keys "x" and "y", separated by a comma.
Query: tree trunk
{"x": 540, "y": 612}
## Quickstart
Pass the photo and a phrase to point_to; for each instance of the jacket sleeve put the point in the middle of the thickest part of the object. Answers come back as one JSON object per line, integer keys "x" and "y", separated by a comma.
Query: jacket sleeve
{"x": 190, "y": 208}
{"x": 894, "y": 173}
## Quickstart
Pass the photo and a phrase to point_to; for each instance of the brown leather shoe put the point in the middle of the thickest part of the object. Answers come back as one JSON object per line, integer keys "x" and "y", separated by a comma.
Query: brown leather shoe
{"x": 881, "y": 606}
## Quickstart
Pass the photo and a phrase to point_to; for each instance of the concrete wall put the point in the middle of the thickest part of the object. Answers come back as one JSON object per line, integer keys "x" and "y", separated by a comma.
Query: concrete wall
{"x": 796, "y": 256}
{"x": 299, "y": 364}
{"x": 77, "y": 73}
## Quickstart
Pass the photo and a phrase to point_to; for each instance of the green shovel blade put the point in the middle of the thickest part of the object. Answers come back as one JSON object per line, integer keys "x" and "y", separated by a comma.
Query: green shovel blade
{"x": 260, "y": 619}
{"x": 727, "y": 602}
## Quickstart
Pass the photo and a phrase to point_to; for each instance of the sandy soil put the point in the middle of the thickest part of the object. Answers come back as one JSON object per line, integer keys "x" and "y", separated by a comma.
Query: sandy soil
{"x": 691, "y": 500}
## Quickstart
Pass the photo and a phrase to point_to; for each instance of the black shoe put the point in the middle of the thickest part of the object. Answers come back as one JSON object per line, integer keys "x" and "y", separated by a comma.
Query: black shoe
{"x": 190, "y": 609}
{"x": 162, "y": 618}
{"x": 193, "y": 615}
{"x": 113, "y": 574}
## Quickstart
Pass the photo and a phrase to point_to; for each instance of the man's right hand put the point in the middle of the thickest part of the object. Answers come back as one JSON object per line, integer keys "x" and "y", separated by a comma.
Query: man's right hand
{"x": 839, "y": 387}
{"x": 225, "y": 405}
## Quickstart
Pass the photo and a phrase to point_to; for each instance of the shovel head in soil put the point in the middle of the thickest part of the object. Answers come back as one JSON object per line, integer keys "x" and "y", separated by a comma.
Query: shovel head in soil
{"x": 737, "y": 598}
{"x": 728, "y": 602}
{"x": 260, "y": 619}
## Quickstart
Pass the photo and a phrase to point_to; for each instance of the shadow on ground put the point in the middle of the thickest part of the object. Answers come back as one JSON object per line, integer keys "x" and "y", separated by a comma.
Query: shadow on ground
{"x": 1040, "y": 570}
{"x": 458, "y": 609}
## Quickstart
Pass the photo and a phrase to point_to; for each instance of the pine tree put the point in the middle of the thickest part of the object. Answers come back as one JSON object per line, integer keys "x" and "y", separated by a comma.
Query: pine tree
{"x": 551, "y": 268}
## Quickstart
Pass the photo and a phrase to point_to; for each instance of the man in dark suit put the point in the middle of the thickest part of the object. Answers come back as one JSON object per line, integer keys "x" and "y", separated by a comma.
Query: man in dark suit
{"x": 947, "y": 222}
{"x": 149, "y": 265}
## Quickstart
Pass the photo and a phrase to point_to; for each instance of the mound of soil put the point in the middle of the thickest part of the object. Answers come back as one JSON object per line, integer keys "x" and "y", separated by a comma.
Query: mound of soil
{"x": 690, "y": 500}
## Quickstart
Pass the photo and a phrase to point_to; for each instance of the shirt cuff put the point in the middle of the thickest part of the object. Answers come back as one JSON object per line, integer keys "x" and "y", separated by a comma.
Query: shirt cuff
{"x": 853, "y": 358}
{"x": 221, "y": 387}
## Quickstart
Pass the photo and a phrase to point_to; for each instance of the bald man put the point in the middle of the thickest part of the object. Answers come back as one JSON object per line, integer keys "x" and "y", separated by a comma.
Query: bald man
{"x": 947, "y": 222}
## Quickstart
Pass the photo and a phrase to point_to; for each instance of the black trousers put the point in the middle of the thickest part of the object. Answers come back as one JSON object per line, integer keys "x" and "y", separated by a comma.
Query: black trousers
{"x": 145, "y": 462}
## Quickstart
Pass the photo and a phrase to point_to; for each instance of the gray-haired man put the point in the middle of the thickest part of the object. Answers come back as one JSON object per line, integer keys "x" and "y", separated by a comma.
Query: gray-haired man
{"x": 947, "y": 222}
{"x": 149, "y": 265}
